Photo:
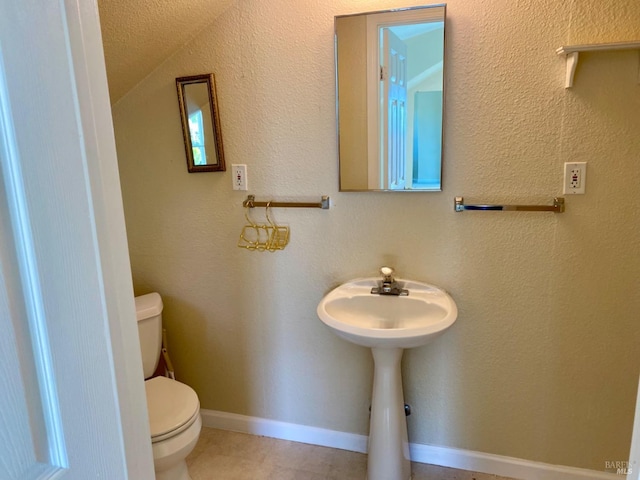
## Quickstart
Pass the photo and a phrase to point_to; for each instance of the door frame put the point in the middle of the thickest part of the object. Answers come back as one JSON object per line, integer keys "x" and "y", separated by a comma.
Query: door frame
{"x": 74, "y": 274}
{"x": 634, "y": 454}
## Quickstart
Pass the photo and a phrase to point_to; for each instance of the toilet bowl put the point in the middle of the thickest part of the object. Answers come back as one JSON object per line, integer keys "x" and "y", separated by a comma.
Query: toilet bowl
{"x": 174, "y": 418}
{"x": 174, "y": 408}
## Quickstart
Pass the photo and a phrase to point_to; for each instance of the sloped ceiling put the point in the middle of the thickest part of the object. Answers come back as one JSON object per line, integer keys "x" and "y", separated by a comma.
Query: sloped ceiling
{"x": 138, "y": 35}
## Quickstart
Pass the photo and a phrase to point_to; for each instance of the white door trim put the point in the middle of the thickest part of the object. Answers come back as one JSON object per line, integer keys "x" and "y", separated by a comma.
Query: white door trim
{"x": 66, "y": 293}
{"x": 95, "y": 111}
{"x": 634, "y": 454}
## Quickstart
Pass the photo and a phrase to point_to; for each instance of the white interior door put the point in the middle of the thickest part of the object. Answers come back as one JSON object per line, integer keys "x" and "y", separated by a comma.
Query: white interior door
{"x": 394, "y": 110}
{"x": 72, "y": 402}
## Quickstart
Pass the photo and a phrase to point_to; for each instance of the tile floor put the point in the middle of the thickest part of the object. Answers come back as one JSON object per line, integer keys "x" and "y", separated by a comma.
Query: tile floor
{"x": 223, "y": 455}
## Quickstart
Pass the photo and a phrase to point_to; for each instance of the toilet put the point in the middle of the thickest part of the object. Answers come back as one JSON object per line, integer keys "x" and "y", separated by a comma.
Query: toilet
{"x": 174, "y": 408}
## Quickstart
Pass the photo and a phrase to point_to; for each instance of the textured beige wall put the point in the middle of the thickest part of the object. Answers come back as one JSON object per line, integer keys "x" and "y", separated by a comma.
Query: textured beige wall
{"x": 130, "y": 32}
{"x": 542, "y": 362}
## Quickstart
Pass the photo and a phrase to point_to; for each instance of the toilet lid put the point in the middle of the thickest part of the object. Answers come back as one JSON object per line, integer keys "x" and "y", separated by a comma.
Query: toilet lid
{"x": 171, "y": 405}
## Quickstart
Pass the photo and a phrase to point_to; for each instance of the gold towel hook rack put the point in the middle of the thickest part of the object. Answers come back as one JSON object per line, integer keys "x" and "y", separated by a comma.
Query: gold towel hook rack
{"x": 324, "y": 203}
{"x": 279, "y": 235}
{"x": 261, "y": 237}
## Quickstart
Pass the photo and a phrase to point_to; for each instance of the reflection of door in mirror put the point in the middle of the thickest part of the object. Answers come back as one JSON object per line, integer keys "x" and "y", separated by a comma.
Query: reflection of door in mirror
{"x": 390, "y": 99}
{"x": 393, "y": 76}
{"x": 424, "y": 103}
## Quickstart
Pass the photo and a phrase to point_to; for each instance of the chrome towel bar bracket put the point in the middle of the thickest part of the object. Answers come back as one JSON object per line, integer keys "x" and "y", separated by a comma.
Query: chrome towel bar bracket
{"x": 557, "y": 207}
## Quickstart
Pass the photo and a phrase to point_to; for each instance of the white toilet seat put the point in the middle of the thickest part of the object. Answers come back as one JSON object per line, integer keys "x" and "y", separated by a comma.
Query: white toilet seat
{"x": 173, "y": 407}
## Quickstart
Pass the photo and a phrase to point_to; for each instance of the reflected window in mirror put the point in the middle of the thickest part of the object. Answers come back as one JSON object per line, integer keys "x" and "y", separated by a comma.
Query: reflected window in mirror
{"x": 389, "y": 68}
{"x": 200, "y": 123}
{"x": 196, "y": 130}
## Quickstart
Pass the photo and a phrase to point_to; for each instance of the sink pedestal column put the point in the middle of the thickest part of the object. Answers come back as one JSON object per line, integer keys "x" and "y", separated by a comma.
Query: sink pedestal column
{"x": 388, "y": 456}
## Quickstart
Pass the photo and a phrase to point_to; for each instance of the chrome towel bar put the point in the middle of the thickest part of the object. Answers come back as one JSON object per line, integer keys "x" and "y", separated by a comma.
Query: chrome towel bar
{"x": 557, "y": 207}
{"x": 250, "y": 202}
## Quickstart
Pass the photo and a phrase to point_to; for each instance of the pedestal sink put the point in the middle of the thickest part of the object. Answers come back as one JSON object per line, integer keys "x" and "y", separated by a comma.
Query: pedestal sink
{"x": 387, "y": 324}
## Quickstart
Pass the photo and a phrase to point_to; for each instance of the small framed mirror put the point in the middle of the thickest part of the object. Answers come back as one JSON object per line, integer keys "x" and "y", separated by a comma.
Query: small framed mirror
{"x": 200, "y": 123}
{"x": 389, "y": 78}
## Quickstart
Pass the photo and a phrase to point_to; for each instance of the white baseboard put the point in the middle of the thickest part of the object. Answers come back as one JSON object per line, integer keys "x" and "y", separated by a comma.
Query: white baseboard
{"x": 442, "y": 456}
{"x": 284, "y": 431}
{"x": 500, "y": 465}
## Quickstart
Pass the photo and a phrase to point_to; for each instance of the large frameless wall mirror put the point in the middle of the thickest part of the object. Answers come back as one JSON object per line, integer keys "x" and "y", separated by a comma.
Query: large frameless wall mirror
{"x": 200, "y": 123}
{"x": 389, "y": 77}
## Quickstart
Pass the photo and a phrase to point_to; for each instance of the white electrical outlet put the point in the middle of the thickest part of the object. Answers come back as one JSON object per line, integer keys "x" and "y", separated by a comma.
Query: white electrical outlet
{"x": 239, "y": 177}
{"x": 575, "y": 177}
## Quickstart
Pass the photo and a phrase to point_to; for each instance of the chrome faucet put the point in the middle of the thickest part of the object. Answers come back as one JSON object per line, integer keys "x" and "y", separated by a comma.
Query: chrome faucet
{"x": 389, "y": 286}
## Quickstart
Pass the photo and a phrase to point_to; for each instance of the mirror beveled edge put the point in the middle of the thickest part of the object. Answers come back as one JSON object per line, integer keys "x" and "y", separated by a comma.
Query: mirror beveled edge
{"x": 401, "y": 12}
{"x": 209, "y": 80}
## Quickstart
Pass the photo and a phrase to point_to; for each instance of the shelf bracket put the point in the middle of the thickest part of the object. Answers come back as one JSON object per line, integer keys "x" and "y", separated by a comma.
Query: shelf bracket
{"x": 572, "y": 63}
{"x": 571, "y": 53}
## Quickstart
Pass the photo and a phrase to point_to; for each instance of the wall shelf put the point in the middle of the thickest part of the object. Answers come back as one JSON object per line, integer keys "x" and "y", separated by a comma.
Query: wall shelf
{"x": 572, "y": 52}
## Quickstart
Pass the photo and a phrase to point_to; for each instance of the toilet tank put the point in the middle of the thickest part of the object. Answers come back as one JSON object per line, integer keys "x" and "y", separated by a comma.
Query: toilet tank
{"x": 149, "y": 315}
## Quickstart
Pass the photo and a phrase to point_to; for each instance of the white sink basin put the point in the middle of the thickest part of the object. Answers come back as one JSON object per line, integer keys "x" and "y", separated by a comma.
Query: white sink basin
{"x": 387, "y": 321}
